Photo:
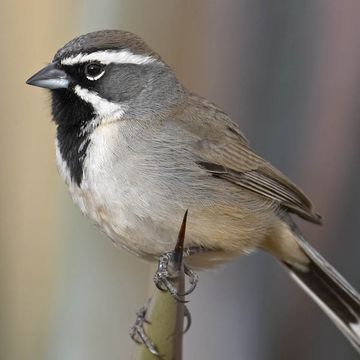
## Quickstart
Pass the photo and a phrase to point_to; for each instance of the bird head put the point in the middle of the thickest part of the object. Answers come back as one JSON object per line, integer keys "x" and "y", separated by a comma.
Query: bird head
{"x": 102, "y": 76}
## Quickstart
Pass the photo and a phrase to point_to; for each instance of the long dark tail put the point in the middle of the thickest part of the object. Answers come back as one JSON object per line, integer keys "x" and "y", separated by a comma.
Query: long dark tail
{"x": 330, "y": 291}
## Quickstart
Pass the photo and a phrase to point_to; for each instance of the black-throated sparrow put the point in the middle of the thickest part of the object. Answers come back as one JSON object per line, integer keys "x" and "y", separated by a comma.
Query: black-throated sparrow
{"x": 137, "y": 149}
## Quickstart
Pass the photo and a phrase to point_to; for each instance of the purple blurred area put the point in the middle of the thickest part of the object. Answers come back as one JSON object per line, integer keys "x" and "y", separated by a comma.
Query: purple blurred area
{"x": 287, "y": 72}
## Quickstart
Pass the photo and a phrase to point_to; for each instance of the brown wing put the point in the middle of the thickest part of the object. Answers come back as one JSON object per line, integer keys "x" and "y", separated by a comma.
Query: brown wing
{"x": 285, "y": 193}
{"x": 226, "y": 154}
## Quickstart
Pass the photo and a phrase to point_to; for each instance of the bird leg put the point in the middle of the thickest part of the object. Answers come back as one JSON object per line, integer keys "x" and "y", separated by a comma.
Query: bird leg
{"x": 138, "y": 333}
{"x": 167, "y": 273}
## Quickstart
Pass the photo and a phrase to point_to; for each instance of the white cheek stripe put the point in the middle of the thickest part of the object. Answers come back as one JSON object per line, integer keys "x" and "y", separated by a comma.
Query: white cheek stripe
{"x": 107, "y": 57}
{"x": 105, "y": 110}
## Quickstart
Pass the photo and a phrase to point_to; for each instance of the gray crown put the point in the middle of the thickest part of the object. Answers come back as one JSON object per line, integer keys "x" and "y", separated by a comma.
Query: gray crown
{"x": 105, "y": 40}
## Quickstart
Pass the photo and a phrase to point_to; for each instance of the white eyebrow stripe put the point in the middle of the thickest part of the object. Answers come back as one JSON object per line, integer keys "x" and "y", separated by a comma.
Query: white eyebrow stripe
{"x": 105, "y": 110}
{"x": 107, "y": 57}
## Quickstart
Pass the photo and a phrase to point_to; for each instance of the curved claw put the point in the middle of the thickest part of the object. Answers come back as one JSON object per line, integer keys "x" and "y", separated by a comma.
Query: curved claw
{"x": 173, "y": 291}
{"x": 159, "y": 279}
{"x": 138, "y": 334}
{"x": 193, "y": 280}
{"x": 163, "y": 276}
{"x": 134, "y": 335}
{"x": 148, "y": 343}
{"x": 187, "y": 315}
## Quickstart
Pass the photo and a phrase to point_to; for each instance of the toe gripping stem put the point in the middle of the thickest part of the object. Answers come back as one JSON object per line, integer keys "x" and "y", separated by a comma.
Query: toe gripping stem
{"x": 139, "y": 335}
{"x": 168, "y": 277}
{"x": 170, "y": 266}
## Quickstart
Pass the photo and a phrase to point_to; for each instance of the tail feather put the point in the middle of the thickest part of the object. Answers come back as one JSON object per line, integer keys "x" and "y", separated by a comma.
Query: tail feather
{"x": 330, "y": 291}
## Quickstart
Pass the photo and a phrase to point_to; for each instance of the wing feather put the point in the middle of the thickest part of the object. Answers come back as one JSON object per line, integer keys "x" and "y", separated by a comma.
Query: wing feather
{"x": 226, "y": 154}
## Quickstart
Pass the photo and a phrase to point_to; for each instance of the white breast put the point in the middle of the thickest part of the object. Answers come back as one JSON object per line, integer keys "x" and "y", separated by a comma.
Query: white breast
{"x": 138, "y": 182}
{"x": 112, "y": 191}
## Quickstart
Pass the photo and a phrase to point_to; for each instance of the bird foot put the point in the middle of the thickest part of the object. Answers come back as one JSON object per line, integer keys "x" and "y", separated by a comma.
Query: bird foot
{"x": 167, "y": 273}
{"x": 138, "y": 333}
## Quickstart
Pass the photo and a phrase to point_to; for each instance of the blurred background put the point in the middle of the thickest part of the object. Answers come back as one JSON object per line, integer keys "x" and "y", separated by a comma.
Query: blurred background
{"x": 287, "y": 71}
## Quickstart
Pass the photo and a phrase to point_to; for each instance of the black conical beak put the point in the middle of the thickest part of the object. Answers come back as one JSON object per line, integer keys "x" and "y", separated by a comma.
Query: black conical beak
{"x": 50, "y": 77}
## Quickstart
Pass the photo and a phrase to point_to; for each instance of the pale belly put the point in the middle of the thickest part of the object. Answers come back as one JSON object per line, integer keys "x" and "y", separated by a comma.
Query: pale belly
{"x": 150, "y": 231}
{"x": 140, "y": 205}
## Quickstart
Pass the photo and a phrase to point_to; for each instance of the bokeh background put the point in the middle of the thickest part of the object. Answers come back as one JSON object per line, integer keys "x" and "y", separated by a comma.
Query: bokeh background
{"x": 287, "y": 71}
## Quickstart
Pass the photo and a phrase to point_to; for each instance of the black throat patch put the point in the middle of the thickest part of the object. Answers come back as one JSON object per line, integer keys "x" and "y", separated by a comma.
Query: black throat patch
{"x": 72, "y": 115}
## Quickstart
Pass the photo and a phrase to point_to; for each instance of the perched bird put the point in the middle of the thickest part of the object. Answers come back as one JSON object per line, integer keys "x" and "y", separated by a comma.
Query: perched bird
{"x": 137, "y": 149}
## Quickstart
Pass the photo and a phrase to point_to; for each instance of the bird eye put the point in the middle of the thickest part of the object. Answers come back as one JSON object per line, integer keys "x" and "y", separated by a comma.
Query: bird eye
{"x": 94, "y": 71}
